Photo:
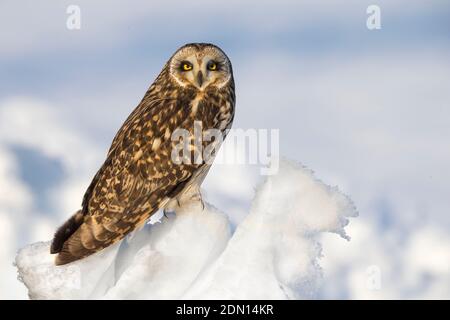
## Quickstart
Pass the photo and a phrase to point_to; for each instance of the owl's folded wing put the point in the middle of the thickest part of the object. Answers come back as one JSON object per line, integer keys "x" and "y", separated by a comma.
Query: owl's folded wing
{"x": 136, "y": 180}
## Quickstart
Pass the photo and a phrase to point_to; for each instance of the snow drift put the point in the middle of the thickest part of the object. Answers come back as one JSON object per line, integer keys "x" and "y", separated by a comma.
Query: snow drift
{"x": 273, "y": 254}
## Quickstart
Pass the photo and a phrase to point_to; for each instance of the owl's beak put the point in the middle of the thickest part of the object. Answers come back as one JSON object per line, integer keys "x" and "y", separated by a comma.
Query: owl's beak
{"x": 200, "y": 79}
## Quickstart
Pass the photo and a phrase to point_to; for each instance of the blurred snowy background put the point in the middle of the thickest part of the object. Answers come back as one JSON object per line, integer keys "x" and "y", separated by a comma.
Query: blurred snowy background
{"x": 367, "y": 110}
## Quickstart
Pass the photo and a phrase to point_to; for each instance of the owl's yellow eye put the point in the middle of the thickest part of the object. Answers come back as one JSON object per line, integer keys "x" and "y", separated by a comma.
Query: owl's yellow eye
{"x": 212, "y": 66}
{"x": 186, "y": 66}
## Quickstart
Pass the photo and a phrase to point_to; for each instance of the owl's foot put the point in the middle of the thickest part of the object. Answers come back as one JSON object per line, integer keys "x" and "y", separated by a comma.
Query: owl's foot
{"x": 198, "y": 197}
{"x": 168, "y": 212}
{"x": 192, "y": 198}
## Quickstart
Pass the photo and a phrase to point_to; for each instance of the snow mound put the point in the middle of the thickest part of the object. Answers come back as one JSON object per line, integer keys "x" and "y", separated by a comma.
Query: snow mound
{"x": 273, "y": 254}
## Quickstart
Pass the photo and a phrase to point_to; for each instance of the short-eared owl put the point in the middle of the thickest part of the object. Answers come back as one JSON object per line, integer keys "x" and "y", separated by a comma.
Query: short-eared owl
{"x": 139, "y": 176}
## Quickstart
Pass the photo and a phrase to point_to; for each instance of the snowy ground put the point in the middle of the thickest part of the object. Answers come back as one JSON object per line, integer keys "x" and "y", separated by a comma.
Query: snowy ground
{"x": 273, "y": 254}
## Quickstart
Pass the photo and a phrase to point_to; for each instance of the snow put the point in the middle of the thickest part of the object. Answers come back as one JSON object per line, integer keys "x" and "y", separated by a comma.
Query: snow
{"x": 274, "y": 252}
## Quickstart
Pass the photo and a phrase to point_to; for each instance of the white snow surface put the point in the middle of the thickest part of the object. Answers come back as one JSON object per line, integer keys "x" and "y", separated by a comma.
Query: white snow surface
{"x": 273, "y": 254}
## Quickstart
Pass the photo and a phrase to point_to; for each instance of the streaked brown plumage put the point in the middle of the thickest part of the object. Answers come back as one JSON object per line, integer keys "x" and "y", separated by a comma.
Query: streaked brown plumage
{"x": 139, "y": 177}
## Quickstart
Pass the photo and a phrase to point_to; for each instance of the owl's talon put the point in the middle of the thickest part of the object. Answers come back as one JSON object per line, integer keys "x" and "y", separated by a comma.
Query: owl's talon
{"x": 198, "y": 197}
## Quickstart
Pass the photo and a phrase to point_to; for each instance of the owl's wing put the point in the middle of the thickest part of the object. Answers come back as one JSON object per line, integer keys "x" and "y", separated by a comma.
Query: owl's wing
{"x": 132, "y": 184}
{"x": 123, "y": 138}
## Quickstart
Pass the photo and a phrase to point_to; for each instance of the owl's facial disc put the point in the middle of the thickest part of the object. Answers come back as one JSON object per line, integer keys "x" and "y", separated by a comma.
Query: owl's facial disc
{"x": 199, "y": 71}
{"x": 200, "y": 68}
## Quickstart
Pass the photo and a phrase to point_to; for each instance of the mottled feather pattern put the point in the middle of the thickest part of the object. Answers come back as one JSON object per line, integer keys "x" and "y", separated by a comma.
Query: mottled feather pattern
{"x": 139, "y": 175}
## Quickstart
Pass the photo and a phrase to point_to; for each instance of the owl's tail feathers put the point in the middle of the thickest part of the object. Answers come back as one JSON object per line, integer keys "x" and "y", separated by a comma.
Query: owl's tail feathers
{"x": 87, "y": 238}
{"x": 65, "y": 231}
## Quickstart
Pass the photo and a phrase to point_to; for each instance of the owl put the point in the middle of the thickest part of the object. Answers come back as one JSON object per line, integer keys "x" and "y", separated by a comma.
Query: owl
{"x": 139, "y": 176}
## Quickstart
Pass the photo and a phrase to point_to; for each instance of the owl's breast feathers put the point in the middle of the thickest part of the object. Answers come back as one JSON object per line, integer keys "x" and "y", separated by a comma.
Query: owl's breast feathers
{"x": 139, "y": 176}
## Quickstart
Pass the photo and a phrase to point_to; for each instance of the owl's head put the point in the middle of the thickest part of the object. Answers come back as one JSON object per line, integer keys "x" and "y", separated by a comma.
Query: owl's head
{"x": 200, "y": 65}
